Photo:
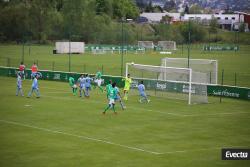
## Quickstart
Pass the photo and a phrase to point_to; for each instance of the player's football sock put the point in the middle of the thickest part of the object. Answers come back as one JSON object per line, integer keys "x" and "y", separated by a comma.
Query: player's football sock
{"x": 101, "y": 88}
{"x": 107, "y": 108}
{"x": 21, "y": 92}
{"x": 125, "y": 96}
{"x": 122, "y": 105}
{"x": 113, "y": 107}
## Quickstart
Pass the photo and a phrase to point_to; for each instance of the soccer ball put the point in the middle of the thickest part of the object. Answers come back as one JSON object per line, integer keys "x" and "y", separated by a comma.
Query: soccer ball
{"x": 132, "y": 63}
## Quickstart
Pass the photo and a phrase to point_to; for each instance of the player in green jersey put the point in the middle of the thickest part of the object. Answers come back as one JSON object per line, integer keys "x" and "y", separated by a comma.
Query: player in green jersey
{"x": 72, "y": 85}
{"x": 108, "y": 87}
{"x": 112, "y": 94}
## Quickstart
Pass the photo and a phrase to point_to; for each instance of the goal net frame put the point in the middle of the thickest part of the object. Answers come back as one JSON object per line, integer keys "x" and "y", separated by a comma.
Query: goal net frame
{"x": 167, "y": 45}
{"x": 146, "y": 44}
{"x": 194, "y": 65}
{"x": 189, "y": 70}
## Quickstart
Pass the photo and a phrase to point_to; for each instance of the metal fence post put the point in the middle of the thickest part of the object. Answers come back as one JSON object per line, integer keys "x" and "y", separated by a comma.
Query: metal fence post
{"x": 210, "y": 77}
{"x": 222, "y": 81}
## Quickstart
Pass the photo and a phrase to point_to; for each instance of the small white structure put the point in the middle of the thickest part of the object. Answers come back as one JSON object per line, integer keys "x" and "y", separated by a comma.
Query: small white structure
{"x": 156, "y": 17}
{"x": 70, "y": 47}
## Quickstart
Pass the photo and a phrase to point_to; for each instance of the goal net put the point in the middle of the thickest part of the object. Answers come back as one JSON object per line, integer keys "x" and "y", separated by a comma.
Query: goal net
{"x": 146, "y": 44}
{"x": 169, "y": 82}
{"x": 167, "y": 45}
{"x": 206, "y": 66}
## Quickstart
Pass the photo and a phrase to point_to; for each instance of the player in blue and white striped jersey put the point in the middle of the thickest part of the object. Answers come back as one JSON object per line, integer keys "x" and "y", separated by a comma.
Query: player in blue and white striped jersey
{"x": 81, "y": 82}
{"x": 34, "y": 87}
{"x": 118, "y": 98}
{"x": 19, "y": 84}
{"x": 88, "y": 81}
{"x": 142, "y": 94}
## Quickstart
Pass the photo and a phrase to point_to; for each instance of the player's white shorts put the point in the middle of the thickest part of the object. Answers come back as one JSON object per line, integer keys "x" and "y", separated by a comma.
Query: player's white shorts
{"x": 111, "y": 101}
{"x": 82, "y": 86}
{"x": 74, "y": 86}
{"x": 99, "y": 82}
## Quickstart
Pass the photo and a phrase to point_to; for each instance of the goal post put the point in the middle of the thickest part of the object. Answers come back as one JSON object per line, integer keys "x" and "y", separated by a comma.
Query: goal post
{"x": 167, "y": 45}
{"x": 146, "y": 44}
{"x": 168, "y": 82}
{"x": 207, "y": 66}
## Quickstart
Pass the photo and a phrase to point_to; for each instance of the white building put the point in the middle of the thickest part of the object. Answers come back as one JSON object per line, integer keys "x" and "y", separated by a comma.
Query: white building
{"x": 156, "y": 17}
{"x": 226, "y": 21}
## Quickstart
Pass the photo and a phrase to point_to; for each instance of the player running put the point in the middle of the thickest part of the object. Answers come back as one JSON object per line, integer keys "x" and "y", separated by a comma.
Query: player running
{"x": 88, "y": 81}
{"x": 111, "y": 96}
{"x": 81, "y": 81}
{"x": 19, "y": 84}
{"x": 118, "y": 98}
{"x": 98, "y": 80}
{"x": 142, "y": 94}
{"x": 108, "y": 87}
{"x": 126, "y": 89}
{"x": 35, "y": 87}
{"x": 72, "y": 85}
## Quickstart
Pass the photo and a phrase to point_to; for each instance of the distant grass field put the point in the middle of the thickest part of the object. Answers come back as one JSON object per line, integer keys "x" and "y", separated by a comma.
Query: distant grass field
{"x": 60, "y": 129}
{"x": 232, "y": 62}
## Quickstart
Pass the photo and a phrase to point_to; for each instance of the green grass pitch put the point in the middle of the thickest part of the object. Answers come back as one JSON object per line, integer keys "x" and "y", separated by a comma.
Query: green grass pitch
{"x": 60, "y": 129}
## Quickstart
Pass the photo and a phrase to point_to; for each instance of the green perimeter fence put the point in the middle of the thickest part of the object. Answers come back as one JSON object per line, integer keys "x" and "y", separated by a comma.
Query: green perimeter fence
{"x": 214, "y": 90}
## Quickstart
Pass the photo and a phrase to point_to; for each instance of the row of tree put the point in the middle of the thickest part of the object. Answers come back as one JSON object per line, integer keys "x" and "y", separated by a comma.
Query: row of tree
{"x": 91, "y": 21}
{"x": 42, "y": 20}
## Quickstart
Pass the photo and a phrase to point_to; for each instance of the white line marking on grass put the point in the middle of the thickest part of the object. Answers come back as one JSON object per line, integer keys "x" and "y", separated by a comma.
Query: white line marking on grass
{"x": 27, "y": 105}
{"x": 80, "y": 136}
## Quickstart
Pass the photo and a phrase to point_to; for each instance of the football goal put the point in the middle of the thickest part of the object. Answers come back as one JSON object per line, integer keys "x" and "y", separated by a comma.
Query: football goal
{"x": 206, "y": 66}
{"x": 146, "y": 44}
{"x": 169, "y": 82}
{"x": 167, "y": 45}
